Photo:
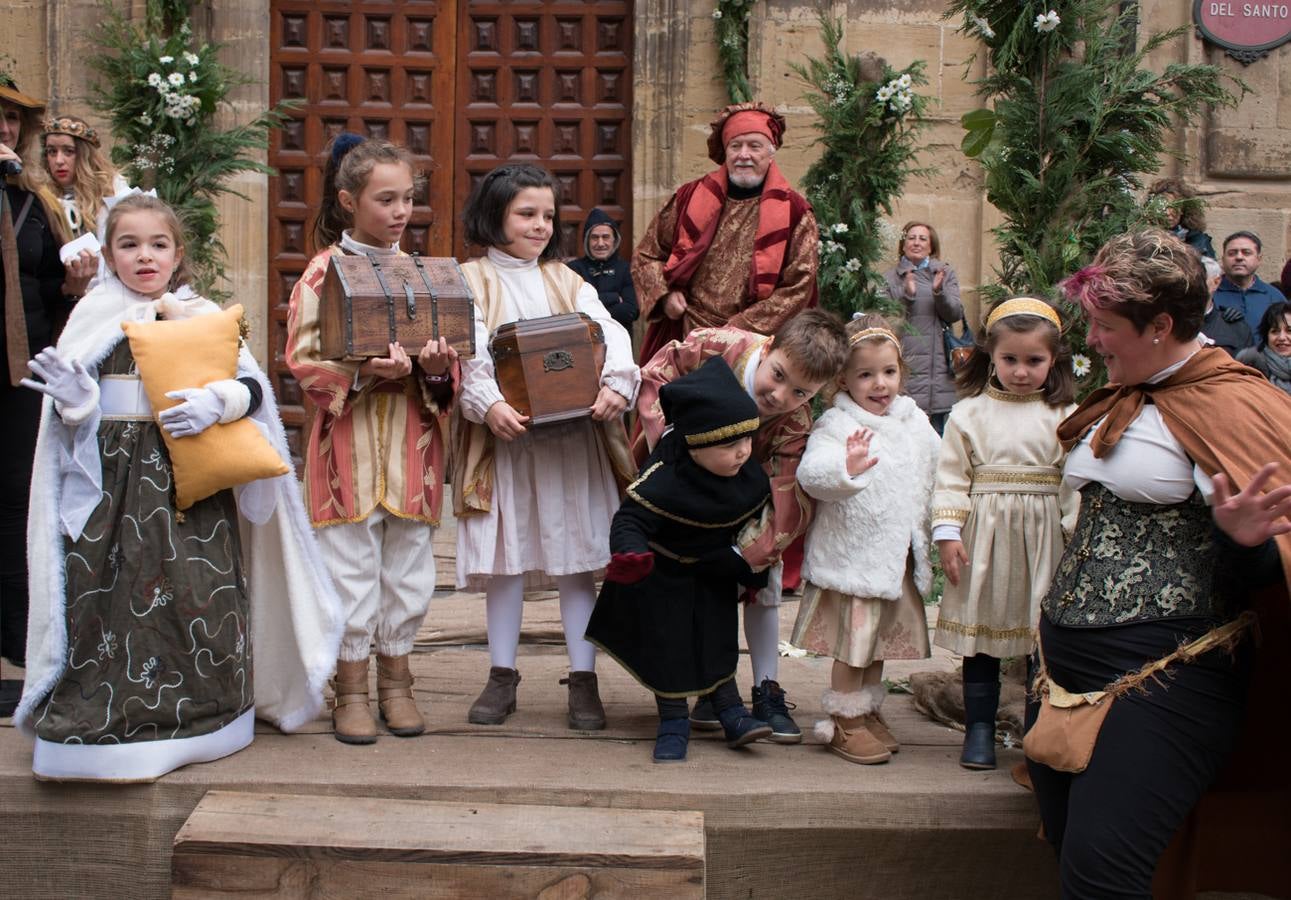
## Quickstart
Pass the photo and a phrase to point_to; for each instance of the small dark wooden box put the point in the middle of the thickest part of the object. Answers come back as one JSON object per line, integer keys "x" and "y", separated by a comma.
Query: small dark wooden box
{"x": 369, "y": 301}
{"x": 550, "y": 368}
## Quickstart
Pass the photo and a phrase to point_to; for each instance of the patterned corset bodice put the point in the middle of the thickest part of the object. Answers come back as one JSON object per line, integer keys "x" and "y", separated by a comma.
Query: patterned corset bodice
{"x": 1138, "y": 562}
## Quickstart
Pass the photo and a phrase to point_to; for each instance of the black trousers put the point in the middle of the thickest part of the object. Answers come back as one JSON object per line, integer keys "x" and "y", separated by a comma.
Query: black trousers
{"x": 20, "y": 413}
{"x": 1157, "y": 753}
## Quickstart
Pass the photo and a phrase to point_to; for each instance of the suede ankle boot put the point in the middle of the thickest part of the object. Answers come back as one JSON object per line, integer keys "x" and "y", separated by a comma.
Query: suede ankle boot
{"x": 352, "y": 721}
{"x": 671, "y": 740}
{"x": 497, "y": 700}
{"x": 395, "y": 699}
{"x": 981, "y": 700}
{"x": 585, "y": 710}
{"x": 845, "y": 732}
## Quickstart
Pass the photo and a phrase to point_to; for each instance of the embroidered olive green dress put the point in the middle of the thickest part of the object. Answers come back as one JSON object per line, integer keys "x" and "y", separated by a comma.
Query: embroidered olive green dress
{"x": 157, "y": 614}
{"x": 999, "y": 478}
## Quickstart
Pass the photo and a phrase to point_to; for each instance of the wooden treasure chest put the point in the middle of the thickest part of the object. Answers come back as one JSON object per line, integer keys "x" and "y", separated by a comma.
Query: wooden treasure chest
{"x": 368, "y": 302}
{"x": 550, "y": 368}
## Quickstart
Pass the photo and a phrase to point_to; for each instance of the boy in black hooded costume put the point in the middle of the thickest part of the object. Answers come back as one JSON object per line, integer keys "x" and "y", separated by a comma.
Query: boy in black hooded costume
{"x": 602, "y": 268}
{"x": 668, "y": 612}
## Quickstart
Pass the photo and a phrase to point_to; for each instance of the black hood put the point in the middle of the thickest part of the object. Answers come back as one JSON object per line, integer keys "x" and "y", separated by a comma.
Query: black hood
{"x": 596, "y": 217}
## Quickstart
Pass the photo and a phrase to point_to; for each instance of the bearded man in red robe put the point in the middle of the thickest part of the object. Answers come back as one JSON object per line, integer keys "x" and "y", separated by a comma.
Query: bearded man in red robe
{"x": 737, "y": 247}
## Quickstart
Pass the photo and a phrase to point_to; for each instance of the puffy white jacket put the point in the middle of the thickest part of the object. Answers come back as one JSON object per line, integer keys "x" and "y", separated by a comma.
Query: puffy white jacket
{"x": 865, "y": 527}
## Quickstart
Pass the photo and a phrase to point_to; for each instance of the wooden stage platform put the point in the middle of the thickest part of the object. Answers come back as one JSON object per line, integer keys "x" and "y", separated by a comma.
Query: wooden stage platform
{"x": 780, "y": 821}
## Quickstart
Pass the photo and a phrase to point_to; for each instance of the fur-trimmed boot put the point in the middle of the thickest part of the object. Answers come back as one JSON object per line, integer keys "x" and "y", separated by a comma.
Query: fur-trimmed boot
{"x": 874, "y": 722}
{"x": 352, "y": 721}
{"x": 394, "y": 697}
{"x": 845, "y": 733}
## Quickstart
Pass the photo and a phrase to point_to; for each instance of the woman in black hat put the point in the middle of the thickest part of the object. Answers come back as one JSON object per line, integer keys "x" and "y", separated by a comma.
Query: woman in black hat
{"x": 37, "y": 291}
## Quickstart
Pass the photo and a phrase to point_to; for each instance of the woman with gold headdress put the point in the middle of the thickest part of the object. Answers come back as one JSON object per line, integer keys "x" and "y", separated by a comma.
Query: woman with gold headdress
{"x": 999, "y": 512}
{"x": 84, "y": 177}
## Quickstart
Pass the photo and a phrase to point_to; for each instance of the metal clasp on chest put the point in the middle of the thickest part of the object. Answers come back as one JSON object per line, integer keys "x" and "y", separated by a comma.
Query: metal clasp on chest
{"x": 557, "y": 360}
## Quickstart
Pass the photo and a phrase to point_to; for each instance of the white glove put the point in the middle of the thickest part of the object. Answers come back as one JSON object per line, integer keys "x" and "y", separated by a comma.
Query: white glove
{"x": 71, "y": 386}
{"x": 201, "y": 409}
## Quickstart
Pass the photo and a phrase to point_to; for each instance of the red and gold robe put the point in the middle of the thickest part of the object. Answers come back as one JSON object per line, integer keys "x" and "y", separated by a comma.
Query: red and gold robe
{"x": 718, "y": 293}
{"x": 778, "y": 443}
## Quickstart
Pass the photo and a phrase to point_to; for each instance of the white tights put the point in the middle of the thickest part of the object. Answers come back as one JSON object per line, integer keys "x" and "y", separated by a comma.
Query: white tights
{"x": 762, "y": 632}
{"x": 504, "y": 603}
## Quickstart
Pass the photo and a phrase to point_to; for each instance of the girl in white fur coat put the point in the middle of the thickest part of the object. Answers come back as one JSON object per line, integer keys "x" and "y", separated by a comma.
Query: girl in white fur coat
{"x": 870, "y": 463}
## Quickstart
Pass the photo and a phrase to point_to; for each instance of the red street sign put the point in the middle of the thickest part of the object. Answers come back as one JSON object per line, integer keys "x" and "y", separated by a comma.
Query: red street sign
{"x": 1246, "y": 30}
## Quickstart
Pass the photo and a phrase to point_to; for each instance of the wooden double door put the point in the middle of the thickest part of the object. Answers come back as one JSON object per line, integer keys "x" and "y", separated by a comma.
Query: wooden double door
{"x": 465, "y": 85}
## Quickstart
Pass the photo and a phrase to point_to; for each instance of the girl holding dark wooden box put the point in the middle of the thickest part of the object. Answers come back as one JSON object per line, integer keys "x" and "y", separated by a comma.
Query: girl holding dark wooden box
{"x": 534, "y": 501}
{"x": 374, "y": 466}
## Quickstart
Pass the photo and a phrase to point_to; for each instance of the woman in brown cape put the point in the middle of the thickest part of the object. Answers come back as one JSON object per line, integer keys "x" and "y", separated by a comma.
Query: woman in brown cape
{"x": 1178, "y": 545}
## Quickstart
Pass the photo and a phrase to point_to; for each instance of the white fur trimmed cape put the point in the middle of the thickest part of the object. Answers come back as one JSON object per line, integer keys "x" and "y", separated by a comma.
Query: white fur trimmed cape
{"x": 865, "y": 526}
{"x": 296, "y": 615}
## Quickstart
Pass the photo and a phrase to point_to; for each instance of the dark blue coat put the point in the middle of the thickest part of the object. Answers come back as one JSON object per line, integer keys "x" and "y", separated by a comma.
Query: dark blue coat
{"x": 611, "y": 277}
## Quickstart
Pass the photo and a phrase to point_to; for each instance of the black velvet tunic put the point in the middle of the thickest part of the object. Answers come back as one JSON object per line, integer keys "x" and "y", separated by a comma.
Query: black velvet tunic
{"x": 677, "y": 630}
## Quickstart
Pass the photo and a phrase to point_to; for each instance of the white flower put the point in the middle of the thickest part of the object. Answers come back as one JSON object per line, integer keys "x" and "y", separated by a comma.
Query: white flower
{"x": 191, "y": 58}
{"x": 166, "y": 60}
{"x": 192, "y": 76}
{"x": 787, "y": 649}
{"x": 717, "y": 14}
{"x": 154, "y": 80}
{"x": 1080, "y": 364}
{"x": 832, "y": 246}
{"x": 145, "y": 119}
{"x": 1047, "y": 21}
{"x": 852, "y": 265}
{"x": 884, "y": 94}
{"x": 175, "y": 78}
{"x": 983, "y": 26}
{"x": 904, "y": 81}
{"x": 840, "y": 228}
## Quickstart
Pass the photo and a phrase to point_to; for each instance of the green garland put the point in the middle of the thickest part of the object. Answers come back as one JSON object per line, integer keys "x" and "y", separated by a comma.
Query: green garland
{"x": 161, "y": 91}
{"x": 869, "y": 116}
{"x": 1074, "y": 122}
{"x": 731, "y": 27}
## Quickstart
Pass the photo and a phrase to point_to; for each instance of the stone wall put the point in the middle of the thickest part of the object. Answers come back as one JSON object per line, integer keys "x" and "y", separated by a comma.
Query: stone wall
{"x": 52, "y": 39}
{"x": 1239, "y": 159}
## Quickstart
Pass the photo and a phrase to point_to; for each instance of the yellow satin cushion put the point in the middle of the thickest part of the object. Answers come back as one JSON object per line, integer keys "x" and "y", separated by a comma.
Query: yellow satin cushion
{"x": 191, "y": 353}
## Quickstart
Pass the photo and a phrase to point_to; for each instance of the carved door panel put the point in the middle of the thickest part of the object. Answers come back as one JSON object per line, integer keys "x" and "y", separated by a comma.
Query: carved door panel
{"x": 381, "y": 69}
{"x": 466, "y": 86}
{"x": 548, "y": 83}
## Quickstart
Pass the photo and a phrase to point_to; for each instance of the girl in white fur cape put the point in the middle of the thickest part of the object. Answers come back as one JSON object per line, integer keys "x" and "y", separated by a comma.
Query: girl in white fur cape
{"x": 143, "y": 620}
{"x": 869, "y": 463}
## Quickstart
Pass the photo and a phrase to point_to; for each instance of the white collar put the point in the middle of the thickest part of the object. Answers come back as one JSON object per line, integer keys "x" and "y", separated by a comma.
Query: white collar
{"x": 1171, "y": 369}
{"x": 751, "y": 369}
{"x": 349, "y": 244}
{"x": 504, "y": 260}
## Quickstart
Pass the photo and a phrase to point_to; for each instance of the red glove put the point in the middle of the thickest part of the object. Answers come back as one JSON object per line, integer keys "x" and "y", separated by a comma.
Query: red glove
{"x": 629, "y": 568}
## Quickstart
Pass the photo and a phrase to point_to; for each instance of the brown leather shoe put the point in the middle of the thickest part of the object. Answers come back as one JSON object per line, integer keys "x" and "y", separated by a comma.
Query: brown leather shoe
{"x": 394, "y": 697}
{"x": 853, "y": 742}
{"x": 877, "y": 726}
{"x": 352, "y": 721}
{"x": 585, "y": 710}
{"x": 497, "y": 700}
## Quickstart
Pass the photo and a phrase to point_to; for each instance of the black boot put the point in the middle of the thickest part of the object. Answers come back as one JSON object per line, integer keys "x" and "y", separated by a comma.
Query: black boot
{"x": 741, "y": 727}
{"x": 981, "y": 700}
{"x": 671, "y": 740}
